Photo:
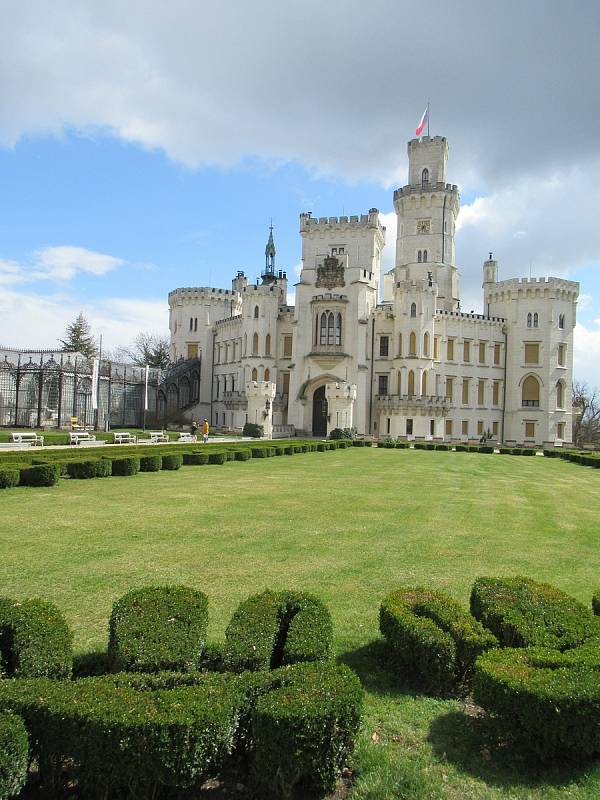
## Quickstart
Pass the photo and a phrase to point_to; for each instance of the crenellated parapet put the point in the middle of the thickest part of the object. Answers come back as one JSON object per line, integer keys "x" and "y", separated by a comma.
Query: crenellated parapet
{"x": 310, "y": 224}
{"x": 516, "y": 288}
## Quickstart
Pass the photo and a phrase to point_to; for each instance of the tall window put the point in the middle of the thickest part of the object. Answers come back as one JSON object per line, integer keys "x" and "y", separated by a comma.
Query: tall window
{"x": 530, "y": 392}
{"x": 338, "y": 329}
{"x": 195, "y": 324}
{"x": 560, "y": 395}
{"x": 285, "y": 386}
{"x": 482, "y": 352}
{"x": 450, "y": 354}
{"x": 287, "y": 346}
{"x": 536, "y": 320}
{"x": 467, "y": 350}
{"x": 436, "y": 347}
{"x": 255, "y": 345}
{"x": 530, "y": 430}
{"x": 411, "y": 383}
{"x": 399, "y": 344}
{"x": 449, "y": 388}
{"x": 255, "y": 312}
{"x": 426, "y": 345}
{"x": 481, "y": 393}
{"x": 191, "y": 323}
{"x": 496, "y": 393}
{"x": 419, "y": 256}
{"x": 560, "y": 430}
{"x": 561, "y": 320}
{"x": 254, "y": 374}
{"x": 330, "y": 328}
{"x": 448, "y": 427}
{"x": 384, "y": 346}
{"x": 464, "y": 428}
{"x": 412, "y": 344}
{"x": 413, "y": 310}
{"x": 425, "y": 177}
{"x": 532, "y": 353}
{"x": 424, "y": 383}
{"x": 562, "y": 349}
{"x": 383, "y": 384}
{"x": 529, "y": 320}
{"x": 267, "y": 374}
{"x": 245, "y": 343}
{"x": 268, "y": 344}
{"x": 465, "y": 392}
{"x": 497, "y": 354}
{"x": 424, "y": 255}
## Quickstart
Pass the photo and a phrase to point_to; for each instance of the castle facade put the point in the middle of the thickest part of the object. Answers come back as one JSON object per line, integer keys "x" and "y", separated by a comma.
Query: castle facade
{"x": 410, "y": 365}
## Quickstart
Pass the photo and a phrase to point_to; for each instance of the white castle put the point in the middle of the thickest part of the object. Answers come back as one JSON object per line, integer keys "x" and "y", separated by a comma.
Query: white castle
{"x": 412, "y": 366}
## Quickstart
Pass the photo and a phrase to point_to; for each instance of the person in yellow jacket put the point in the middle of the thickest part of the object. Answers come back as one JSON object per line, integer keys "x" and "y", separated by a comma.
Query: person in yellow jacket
{"x": 205, "y": 431}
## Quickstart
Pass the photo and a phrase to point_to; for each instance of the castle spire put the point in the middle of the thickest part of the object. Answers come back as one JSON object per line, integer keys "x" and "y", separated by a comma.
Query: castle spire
{"x": 270, "y": 253}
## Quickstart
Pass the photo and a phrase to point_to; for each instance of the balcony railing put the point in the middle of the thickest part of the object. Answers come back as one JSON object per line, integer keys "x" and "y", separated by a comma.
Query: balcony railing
{"x": 531, "y": 403}
{"x": 400, "y": 401}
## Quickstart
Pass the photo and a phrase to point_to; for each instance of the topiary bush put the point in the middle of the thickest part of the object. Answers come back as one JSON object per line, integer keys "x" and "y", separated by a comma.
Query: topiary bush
{"x": 289, "y": 450}
{"x": 83, "y": 470}
{"x": 9, "y": 477}
{"x": 40, "y": 475}
{"x": 158, "y": 628}
{"x": 486, "y": 448}
{"x": 229, "y": 455}
{"x": 442, "y": 447}
{"x": 271, "y": 629}
{"x": 252, "y": 430}
{"x": 505, "y": 451}
{"x": 461, "y": 448}
{"x": 548, "y": 702}
{"x": 103, "y": 468}
{"x": 14, "y": 755}
{"x": 259, "y": 452}
{"x": 358, "y": 442}
{"x": 217, "y": 457}
{"x": 195, "y": 459}
{"x": 303, "y": 730}
{"x": 524, "y": 613}
{"x": 172, "y": 461}
{"x": 150, "y": 463}
{"x": 433, "y": 639}
{"x": 130, "y": 465}
{"x": 242, "y": 455}
{"x": 35, "y": 640}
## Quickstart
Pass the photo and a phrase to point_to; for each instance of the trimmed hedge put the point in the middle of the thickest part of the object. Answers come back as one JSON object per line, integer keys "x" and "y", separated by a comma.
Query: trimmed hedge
{"x": 14, "y": 755}
{"x": 35, "y": 640}
{"x": 9, "y": 477}
{"x": 89, "y": 468}
{"x": 433, "y": 639}
{"x": 217, "y": 457}
{"x": 289, "y": 450}
{"x": 150, "y": 463}
{"x": 172, "y": 461}
{"x": 125, "y": 466}
{"x": 304, "y": 730}
{"x": 547, "y": 701}
{"x": 195, "y": 459}
{"x": 271, "y": 629}
{"x": 242, "y": 455}
{"x": 252, "y": 430}
{"x": 40, "y": 475}
{"x": 158, "y": 628}
{"x": 524, "y": 613}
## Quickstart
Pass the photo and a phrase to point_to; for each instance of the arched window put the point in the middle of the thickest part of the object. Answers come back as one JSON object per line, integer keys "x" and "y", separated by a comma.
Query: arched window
{"x": 268, "y": 344}
{"x": 536, "y": 320}
{"x": 426, "y": 345}
{"x": 400, "y": 345}
{"x": 425, "y": 177}
{"x": 411, "y": 383}
{"x": 323, "y": 329}
{"x": 245, "y": 343}
{"x": 424, "y": 383}
{"x": 530, "y": 392}
{"x": 412, "y": 344}
{"x": 267, "y": 374}
{"x": 191, "y": 323}
{"x": 529, "y": 319}
{"x": 255, "y": 312}
{"x": 330, "y": 329}
{"x": 195, "y": 324}
{"x": 338, "y": 329}
{"x": 413, "y": 310}
{"x": 255, "y": 344}
{"x": 561, "y": 321}
{"x": 560, "y": 395}
{"x": 424, "y": 256}
{"x": 419, "y": 256}
{"x": 254, "y": 374}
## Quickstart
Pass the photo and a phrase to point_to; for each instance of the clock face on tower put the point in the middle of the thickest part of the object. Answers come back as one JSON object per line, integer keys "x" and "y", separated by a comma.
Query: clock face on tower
{"x": 423, "y": 226}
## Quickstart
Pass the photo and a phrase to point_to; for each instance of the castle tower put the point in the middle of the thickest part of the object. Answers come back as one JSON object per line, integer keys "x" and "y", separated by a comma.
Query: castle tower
{"x": 427, "y": 209}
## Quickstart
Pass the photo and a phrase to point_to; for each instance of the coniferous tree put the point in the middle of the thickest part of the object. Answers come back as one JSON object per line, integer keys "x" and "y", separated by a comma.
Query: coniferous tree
{"x": 79, "y": 338}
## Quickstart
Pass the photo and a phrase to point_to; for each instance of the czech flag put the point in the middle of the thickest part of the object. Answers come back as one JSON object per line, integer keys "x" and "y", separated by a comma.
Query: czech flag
{"x": 423, "y": 122}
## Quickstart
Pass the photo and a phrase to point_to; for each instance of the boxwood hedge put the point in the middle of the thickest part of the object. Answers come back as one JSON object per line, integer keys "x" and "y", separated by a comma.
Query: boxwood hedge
{"x": 242, "y": 455}
{"x": 35, "y": 640}
{"x": 89, "y": 468}
{"x": 434, "y": 640}
{"x": 40, "y": 475}
{"x": 14, "y": 755}
{"x": 172, "y": 461}
{"x": 217, "y": 457}
{"x": 523, "y": 613}
{"x": 195, "y": 459}
{"x": 130, "y": 465}
{"x": 275, "y": 628}
{"x": 9, "y": 477}
{"x": 150, "y": 463}
{"x": 158, "y": 628}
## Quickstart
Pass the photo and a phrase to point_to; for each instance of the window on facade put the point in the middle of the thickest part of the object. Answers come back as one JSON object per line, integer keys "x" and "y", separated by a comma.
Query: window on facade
{"x": 496, "y": 354}
{"x": 465, "y": 392}
{"x": 191, "y": 323}
{"x": 496, "y": 393}
{"x": 195, "y": 324}
{"x": 532, "y": 353}
{"x": 560, "y": 395}
{"x": 267, "y": 374}
{"x": 330, "y": 328}
{"x": 466, "y": 350}
{"x": 409, "y": 427}
{"x": 424, "y": 256}
{"x": 562, "y": 349}
{"x": 424, "y": 384}
{"x": 192, "y": 351}
{"x": 285, "y": 383}
{"x": 413, "y": 310}
{"x": 480, "y": 393}
{"x": 419, "y": 256}
{"x": 383, "y": 346}
{"x": 449, "y": 388}
{"x": 450, "y": 354}
{"x": 255, "y": 312}
{"x": 560, "y": 430}
{"x": 436, "y": 347}
{"x": 255, "y": 344}
{"x": 495, "y": 428}
{"x": 480, "y": 427}
{"x": 561, "y": 322}
{"x": 245, "y": 343}
{"x": 399, "y": 344}
{"x": 426, "y": 345}
{"x": 530, "y": 430}
{"x": 530, "y": 392}
{"x": 334, "y": 251}
{"x": 268, "y": 344}
{"x": 425, "y": 177}
{"x": 536, "y": 320}
{"x": 482, "y": 346}
{"x": 254, "y": 374}
{"x": 388, "y": 425}
{"x": 412, "y": 344}
{"x": 432, "y": 427}
{"x": 411, "y": 383}
{"x": 383, "y": 384}
{"x": 287, "y": 346}
{"x": 448, "y": 427}
{"x": 218, "y": 386}
{"x": 529, "y": 320}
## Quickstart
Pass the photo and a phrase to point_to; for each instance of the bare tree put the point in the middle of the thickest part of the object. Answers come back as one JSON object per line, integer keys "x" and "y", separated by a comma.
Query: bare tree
{"x": 147, "y": 349}
{"x": 586, "y": 414}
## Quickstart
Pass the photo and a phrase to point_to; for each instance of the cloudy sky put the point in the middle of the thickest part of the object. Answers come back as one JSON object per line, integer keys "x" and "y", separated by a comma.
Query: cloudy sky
{"x": 145, "y": 146}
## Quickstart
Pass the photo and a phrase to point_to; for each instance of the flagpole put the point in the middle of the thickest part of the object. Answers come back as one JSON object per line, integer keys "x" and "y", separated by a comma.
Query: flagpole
{"x": 428, "y": 118}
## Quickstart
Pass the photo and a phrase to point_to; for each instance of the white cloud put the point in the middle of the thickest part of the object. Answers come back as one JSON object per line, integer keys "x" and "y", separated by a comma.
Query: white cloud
{"x": 587, "y": 354}
{"x": 63, "y": 263}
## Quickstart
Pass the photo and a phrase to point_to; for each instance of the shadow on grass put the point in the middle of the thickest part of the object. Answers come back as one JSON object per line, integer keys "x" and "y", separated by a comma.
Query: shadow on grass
{"x": 475, "y": 745}
{"x": 374, "y": 665}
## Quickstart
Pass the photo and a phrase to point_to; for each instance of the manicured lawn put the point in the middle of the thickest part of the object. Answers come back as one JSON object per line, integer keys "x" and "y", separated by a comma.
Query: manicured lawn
{"x": 349, "y": 526}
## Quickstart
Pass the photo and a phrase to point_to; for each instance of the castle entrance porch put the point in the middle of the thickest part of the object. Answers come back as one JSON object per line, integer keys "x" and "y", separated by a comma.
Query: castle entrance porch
{"x": 319, "y": 416}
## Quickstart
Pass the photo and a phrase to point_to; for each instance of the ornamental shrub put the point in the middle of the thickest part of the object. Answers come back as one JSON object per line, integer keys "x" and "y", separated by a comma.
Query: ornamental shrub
{"x": 279, "y": 449}
{"x": 9, "y": 477}
{"x": 252, "y": 430}
{"x": 461, "y": 448}
{"x": 103, "y": 468}
{"x": 548, "y": 702}
{"x": 442, "y": 447}
{"x": 124, "y": 735}
{"x": 14, "y": 755}
{"x": 158, "y": 628}
{"x": 242, "y": 455}
{"x": 172, "y": 461}
{"x": 216, "y": 457}
{"x": 433, "y": 639}
{"x": 505, "y": 451}
{"x": 229, "y": 455}
{"x": 259, "y": 452}
{"x": 194, "y": 459}
{"x": 150, "y": 463}
{"x": 289, "y": 450}
{"x": 271, "y": 629}
{"x": 402, "y": 445}
{"x": 35, "y": 640}
{"x": 40, "y": 475}
{"x": 486, "y": 448}
{"x": 83, "y": 469}
{"x": 130, "y": 465}
{"x": 358, "y": 442}
{"x": 321, "y": 447}
{"x": 304, "y": 730}
{"x": 524, "y": 613}
{"x": 298, "y": 448}
{"x": 337, "y": 433}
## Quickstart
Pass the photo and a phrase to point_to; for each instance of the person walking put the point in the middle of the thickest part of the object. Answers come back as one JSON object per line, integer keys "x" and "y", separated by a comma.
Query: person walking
{"x": 194, "y": 429}
{"x": 205, "y": 431}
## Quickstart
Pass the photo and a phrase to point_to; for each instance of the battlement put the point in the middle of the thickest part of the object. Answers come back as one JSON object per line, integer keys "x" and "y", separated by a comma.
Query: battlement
{"x": 407, "y": 190}
{"x": 229, "y": 321}
{"x": 310, "y": 224}
{"x": 558, "y": 283}
{"x": 262, "y": 288}
{"x": 202, "y": 293}
{"x": 427, "y": 141}
{"x": 462, "y": 315}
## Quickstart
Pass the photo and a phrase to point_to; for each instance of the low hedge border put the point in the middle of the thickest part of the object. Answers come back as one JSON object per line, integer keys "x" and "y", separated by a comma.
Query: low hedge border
{"x": 9, "y": 477}
{"x": 130, "y": 465}
{"x": 40, "y": 475}
{"x": 172, "y": 461}
{"x": 14, "y": 755}
{"x": 158, "y": 628}
{"x": 150, "y": 463}
{"x": 195, "y": 459}
{"x": 433, "y": 639}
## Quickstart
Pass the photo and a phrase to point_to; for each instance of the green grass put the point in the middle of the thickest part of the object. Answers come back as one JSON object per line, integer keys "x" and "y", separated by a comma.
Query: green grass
{"x": 349, "y": 525}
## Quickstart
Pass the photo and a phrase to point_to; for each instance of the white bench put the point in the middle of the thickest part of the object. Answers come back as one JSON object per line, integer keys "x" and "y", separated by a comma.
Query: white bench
{"x": 186, "y": 437}
{"x": 158, "y": 436}
{"x": 30, "y": 438}
{"x": 124, "y": 437}
{"x": 76, "y": 437}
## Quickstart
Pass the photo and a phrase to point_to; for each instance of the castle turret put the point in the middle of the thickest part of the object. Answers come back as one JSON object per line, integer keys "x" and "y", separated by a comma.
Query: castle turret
{"x": 490, "y": 272}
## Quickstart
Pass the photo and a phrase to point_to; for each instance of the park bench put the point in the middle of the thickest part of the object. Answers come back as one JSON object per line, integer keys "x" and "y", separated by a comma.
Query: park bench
{"x": 124, "y": 437}
{"x": 76, "y": 437}
{"x": 158, "y": 436}
{"x": 186, "y": 437}
{"x": 29, "y": 437}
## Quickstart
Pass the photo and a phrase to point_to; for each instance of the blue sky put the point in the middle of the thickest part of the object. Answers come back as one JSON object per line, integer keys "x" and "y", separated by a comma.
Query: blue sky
{"x": 138, "y": 158}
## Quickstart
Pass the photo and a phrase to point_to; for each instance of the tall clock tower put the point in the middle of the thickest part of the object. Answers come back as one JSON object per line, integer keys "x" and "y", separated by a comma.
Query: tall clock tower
{"x": 427, "y": 209}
